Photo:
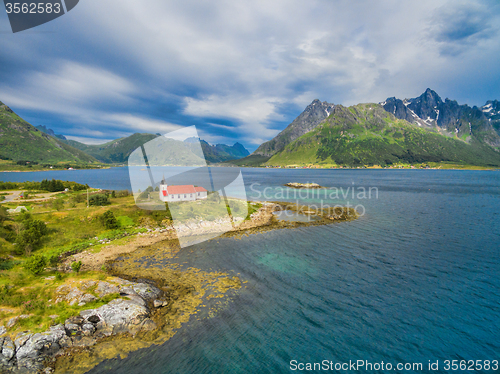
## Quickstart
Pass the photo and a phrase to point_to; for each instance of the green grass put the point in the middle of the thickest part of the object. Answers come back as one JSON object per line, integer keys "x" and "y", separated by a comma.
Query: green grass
{"x": 71, "y": 230}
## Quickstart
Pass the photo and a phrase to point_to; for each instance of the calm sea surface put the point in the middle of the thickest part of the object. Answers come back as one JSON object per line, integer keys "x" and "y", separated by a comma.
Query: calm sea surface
{"x": 416, "y": 278}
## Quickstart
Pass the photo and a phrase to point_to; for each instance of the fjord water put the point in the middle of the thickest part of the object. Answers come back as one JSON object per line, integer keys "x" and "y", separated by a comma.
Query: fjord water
{"x": 414, "y": 279}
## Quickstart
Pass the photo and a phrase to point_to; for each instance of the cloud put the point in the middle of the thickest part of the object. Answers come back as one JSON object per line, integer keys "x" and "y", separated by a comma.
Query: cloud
{"x": 125, "y": 121}
{"x": 253, "y": 114}
{"x": 464, "y": 24}
{"x": 249, "y": 66}
{"x": 68, "y": 88}
{"x": 90, "y": 141}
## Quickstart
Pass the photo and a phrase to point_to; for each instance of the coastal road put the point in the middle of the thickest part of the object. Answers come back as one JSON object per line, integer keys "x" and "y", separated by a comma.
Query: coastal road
{"x": 13, "y": 195}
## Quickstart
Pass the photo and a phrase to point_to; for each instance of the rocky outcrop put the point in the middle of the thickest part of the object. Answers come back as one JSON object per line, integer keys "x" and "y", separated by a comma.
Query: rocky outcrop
{"x": 128, "y": 313}
{"x": 302, "y": 185}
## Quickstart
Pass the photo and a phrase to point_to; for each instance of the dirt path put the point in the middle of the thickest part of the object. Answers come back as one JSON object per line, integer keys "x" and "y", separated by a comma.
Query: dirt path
{"x": 8, "y": 198}
{"x": 14, "y": 195}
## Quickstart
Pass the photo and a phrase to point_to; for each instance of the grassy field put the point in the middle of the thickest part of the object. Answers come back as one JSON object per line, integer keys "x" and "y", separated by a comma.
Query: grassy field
{"x": 72, "y": 227}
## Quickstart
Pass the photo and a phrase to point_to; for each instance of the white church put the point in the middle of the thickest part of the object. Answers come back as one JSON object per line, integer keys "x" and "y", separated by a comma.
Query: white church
{"x": 186, "y": 192}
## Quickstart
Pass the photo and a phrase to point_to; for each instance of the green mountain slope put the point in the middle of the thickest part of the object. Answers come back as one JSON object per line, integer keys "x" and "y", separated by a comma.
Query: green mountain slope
{"x": 366, "y": 134}
{"x": 118, "y": 150}
{"x": 115, "y": 151}
{"x": 21, "y": 141}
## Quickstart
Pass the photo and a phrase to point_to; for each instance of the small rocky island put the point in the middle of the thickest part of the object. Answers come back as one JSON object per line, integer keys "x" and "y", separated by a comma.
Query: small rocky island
{"x": 302, "y": 185}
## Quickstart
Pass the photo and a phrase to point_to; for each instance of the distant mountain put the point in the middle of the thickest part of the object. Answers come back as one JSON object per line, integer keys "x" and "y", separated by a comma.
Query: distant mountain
{"x": 50, "y": 132}
{"x": 115, "y": 151}
{"x": 366, "y": 134}
{"x": 222, "y": 152}
{"x": 21, "y": 141}
{"x": 118, "y": 150}
{"x": 448, "y": 117}
{"x": 312, "y": 116}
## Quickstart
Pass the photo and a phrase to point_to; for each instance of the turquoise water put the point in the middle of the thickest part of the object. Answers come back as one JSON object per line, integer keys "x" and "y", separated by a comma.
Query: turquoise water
{"x": 414, "y": 279}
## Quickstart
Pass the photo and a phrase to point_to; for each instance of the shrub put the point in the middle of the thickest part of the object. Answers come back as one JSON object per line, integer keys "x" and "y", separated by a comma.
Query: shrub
{"x": 108, "y": 220}
{"x": 80, "y": 198}
{"x": 76, "y": 266}
{"x": 53, "y": 259}
{"x": 58, "y": 204}
{"x": 31, "y": 235}
{"x": 32, "y": 305}
{"x": 99, "y": 200}
{"x": 59, "y": 276}
{"x": 35, "y": 264}
{"x": 122, "y": 193}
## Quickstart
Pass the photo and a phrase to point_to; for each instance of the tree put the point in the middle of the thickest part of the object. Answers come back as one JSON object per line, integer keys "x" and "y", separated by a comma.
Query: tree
{"x": 76, "y": 266}
{"x": 52, "y": 185}
{"x": 109, "y": 221}
{"x": 99, "y": 200}
{"x": 31, "y": 235}
{"x": 35, "y": 264}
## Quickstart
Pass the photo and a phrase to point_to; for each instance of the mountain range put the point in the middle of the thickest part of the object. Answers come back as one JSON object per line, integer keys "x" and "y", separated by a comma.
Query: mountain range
{"x": 418, "y": 130}
{"x": 118, "y": 150}
{"x": 410, "y": 131}
{"x": 20, "y": 140}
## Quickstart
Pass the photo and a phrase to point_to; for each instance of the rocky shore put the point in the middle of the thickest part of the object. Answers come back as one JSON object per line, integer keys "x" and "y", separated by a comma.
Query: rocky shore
{"x": 302, "y": 185}
{"x": 130, "y": 312}
{"x": 144, "y": 310}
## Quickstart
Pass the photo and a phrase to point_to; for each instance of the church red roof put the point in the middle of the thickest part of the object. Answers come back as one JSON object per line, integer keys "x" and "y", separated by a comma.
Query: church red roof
{"x": 184, "y": 189}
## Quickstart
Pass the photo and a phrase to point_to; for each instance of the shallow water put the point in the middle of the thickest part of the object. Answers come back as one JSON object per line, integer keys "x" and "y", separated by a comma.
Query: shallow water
{"x": 414, "y": 279}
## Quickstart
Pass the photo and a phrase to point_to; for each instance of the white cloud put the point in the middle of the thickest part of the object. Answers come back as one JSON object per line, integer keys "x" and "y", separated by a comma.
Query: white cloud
{"x": 242, "y": 109}
{"x": 127, "y": 121}
{"x": 244, "y": 61}
{"x": 68, "y": 88}
{"x": 253, "y": 114}
{"x": 90, "y": 141}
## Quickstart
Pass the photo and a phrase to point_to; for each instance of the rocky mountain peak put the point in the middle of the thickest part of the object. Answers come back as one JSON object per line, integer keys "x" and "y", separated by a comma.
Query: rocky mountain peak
{"x": 312, "y": 116}
{"x": 429, "y": 110}
{"x": 491, "y": 109}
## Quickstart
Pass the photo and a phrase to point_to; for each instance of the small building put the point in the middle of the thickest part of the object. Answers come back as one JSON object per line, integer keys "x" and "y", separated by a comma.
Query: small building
{"x": 186, "y": 192}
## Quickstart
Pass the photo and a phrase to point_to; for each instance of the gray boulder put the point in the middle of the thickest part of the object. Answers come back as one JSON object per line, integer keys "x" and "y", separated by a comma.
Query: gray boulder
{"x": 31, "y": 355}
{"x": 119, "y": 316}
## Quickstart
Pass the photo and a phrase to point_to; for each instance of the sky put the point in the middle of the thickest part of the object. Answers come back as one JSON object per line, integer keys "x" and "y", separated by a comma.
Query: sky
{"x": 240, "y": 70}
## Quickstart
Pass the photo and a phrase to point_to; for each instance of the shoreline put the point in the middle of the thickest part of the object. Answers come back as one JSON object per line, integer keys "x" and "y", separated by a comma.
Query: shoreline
{"x": 187, "y": 290}
{"x": 33, "y": 171}
{"x": 76, "y": 344}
